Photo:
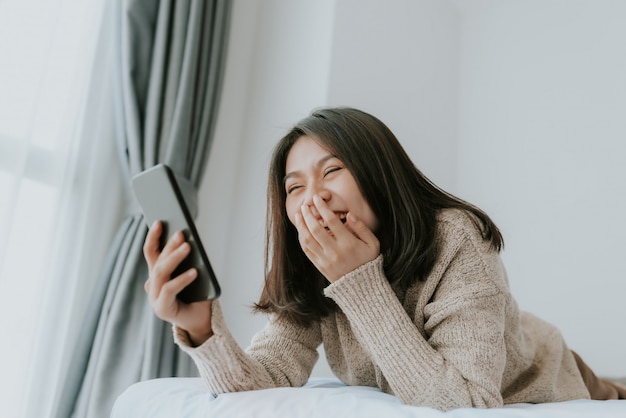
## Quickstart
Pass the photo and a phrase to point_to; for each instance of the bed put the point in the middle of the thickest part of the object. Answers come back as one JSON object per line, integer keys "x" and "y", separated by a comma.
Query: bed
{"x": 321, "y": 397}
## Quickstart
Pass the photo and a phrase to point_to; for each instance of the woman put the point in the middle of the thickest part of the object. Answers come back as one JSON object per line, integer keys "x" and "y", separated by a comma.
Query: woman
{"x": 401, "y": 281}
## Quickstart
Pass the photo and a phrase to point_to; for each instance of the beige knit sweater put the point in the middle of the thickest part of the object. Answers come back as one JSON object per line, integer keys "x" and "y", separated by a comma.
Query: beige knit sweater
{"x": 456, "y": 339}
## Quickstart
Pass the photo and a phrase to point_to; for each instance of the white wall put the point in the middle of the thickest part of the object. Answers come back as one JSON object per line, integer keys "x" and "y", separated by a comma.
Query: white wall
{"x": 398, "y": 60}
{"x": 516, "y": 105}
{"x": 541, "y": 147}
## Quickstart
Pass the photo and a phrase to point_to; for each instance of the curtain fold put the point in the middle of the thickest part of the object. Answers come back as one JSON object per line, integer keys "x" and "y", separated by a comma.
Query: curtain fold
{"x": 170, "y": 65}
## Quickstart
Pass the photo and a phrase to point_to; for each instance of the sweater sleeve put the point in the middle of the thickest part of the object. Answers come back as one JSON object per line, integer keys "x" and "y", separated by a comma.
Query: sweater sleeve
{"x": 459, "y": 360}
{"x": 282, "y": 354}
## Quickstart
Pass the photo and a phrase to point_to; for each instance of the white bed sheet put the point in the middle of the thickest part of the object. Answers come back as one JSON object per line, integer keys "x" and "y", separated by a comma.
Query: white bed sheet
{"x": 323, "y": 398}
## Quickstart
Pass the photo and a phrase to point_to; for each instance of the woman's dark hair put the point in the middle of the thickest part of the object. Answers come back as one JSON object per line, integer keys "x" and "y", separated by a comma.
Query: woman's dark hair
{"x": 404, "y": 201}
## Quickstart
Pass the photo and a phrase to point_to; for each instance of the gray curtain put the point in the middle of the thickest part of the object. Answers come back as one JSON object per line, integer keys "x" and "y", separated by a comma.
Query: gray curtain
{"x": 170, "y": 59}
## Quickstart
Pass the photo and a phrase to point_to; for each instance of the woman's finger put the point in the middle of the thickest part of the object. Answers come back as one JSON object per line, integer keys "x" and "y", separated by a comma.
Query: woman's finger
{"x": 173, "y": 287}
{"x": 316, "y": 227}
{"x": 167, "y": 306}
{"x": 173, "y": 243}
{"x": 362, "y": 232}
{"x": 304, "y": 235}
{"x": 162, "y": 270}
{"x": 151, "y": 244}
{"x": 313, "y": 236}
{"x": 330, "y": 218}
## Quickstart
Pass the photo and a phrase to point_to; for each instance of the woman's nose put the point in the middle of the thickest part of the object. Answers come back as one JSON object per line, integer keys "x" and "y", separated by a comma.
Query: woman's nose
{"x": 322, "y": 193}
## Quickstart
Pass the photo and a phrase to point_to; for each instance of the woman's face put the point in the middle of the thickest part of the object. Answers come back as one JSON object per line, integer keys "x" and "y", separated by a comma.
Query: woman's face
{"x": 313, "y": 170}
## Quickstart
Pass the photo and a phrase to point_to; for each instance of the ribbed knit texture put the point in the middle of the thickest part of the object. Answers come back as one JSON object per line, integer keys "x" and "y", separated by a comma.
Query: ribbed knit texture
{"x": 456, "y": 339}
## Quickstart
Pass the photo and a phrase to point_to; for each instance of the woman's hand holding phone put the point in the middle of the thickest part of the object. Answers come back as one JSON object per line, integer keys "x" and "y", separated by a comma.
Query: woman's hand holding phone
{"x": 195, "y": 318}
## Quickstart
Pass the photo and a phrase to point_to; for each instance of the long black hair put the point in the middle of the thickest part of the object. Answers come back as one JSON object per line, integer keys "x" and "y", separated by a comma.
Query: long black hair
{"x": 403, "y": 199}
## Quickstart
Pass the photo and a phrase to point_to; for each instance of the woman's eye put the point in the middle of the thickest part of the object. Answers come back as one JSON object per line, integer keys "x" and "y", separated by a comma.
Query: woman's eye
{"x": 331, "y": 170}
{"x": 292, "y": 188}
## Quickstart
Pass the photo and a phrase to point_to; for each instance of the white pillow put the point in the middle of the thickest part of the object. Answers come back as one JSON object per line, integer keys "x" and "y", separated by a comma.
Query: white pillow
{"x": 323, "y": 398}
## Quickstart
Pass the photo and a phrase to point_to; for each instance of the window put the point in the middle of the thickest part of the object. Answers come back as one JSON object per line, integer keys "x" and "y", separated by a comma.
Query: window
{"x": 47, "y": 49}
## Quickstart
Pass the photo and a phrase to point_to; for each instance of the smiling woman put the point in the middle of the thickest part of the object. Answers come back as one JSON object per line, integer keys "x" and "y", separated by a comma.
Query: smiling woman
{"x": 49, "y": 136}
{"x": 409, "y": 295}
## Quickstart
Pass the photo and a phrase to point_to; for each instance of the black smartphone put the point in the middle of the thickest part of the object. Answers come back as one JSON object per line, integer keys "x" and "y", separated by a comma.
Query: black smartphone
{"x": 161, "y": 199}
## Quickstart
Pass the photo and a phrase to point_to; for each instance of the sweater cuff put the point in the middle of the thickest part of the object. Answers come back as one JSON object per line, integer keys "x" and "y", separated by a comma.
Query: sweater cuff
{"x": 181, "y": 338}
{"x": 220, "y": 360}
{"x": 367, "y": 279}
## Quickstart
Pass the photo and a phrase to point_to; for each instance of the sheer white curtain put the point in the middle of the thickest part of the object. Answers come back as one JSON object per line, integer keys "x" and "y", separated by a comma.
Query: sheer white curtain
{"x": 59, "y": 188}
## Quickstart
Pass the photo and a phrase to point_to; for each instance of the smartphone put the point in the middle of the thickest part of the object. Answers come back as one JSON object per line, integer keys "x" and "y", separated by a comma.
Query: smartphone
{"x": 161, "y": 199}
